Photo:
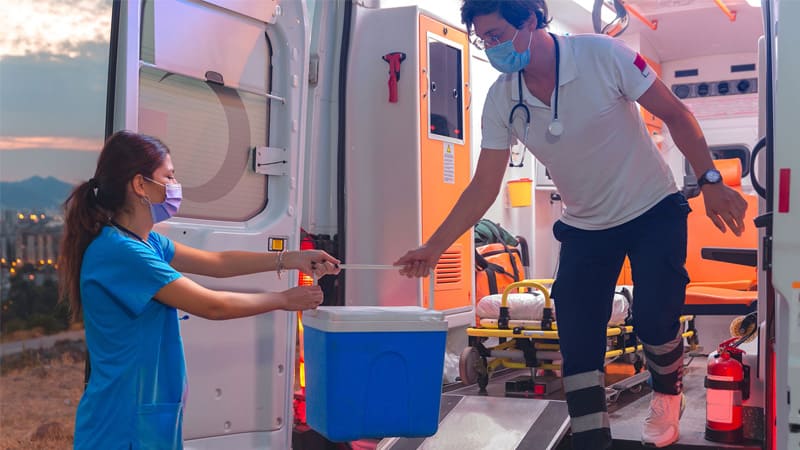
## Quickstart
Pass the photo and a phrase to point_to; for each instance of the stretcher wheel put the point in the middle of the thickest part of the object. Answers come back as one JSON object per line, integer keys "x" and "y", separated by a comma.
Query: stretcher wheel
{"x": 469, "y": 366}
{"x": 483, "y": 380}
{"x": 638, "y": 363}
{"x": 693, "y": 341}
{"x": 749, "y": 329}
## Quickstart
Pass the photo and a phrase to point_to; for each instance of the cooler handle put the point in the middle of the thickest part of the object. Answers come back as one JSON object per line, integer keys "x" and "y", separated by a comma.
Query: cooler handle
{"x": 390, "y": 267}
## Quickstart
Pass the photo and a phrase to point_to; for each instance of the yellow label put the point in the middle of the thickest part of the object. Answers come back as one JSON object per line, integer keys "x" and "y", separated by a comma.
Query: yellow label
{"x": 277, "y": 244}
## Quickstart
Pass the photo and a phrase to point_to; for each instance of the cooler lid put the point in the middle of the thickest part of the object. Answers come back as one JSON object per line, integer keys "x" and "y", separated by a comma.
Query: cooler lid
{"x": 374, "y": 318}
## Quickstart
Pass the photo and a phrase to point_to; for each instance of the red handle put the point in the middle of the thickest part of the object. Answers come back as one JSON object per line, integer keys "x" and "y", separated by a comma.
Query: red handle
{"x": 394, "y": 59}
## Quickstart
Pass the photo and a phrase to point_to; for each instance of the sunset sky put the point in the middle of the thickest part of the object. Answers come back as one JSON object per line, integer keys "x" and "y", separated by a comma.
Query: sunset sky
{"x": 53, "y": 68}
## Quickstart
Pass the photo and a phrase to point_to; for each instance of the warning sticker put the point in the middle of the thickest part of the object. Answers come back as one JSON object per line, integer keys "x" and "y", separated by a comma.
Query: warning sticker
{"x": 719, "y": 403}
{"x": 449, "y": 158}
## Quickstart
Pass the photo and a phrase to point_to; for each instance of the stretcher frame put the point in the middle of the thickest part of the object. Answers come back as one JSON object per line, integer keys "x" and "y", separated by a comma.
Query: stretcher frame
{"x": 535, "y": 345}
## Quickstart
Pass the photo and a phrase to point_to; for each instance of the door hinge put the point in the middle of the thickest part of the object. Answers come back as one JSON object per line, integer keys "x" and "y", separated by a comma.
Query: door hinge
{"x": 313, "y": 70}
{"x": 766, "y": 256}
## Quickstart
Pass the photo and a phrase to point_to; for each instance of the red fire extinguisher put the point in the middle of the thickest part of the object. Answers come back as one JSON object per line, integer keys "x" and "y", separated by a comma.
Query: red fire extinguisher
{"x": 727, "y": 386}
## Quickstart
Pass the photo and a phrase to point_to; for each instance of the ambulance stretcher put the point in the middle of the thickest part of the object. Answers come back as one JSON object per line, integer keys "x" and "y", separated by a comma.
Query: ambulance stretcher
{"x": 533, "y": 345}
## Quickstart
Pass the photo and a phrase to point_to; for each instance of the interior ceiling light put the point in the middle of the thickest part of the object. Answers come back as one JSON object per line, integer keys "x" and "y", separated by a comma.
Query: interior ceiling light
{"x": 754, "y": 3}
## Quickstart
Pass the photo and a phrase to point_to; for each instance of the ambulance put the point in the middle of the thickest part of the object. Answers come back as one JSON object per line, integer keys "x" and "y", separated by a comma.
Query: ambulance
{"x": 354, "y": 126}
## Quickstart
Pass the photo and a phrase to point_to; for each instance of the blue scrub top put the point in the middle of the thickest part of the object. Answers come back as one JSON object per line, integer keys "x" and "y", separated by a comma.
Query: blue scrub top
{"x": 137, "y": 387}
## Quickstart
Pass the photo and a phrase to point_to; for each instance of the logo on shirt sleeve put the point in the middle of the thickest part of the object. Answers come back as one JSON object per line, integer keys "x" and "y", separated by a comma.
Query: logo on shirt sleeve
{"x": 641, "y": 64}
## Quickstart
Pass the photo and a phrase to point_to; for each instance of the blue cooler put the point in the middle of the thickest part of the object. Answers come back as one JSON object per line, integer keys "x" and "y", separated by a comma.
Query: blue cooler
{"x": 373, "y": 372}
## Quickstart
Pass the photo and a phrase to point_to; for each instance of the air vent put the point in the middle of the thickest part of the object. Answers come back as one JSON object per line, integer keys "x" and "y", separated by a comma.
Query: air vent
{"x": 681, "y": 90}
{"x": 448, "y": 270}
{"x": 686, "y": 73}
{"x": 715, "y": 88}
{"x": 743, "y": 68}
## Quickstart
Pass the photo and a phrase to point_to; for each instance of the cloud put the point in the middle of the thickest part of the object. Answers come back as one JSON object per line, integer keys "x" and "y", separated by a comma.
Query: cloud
{"x": 53, "y": 70}
{"x": 53, "y": 67}
{"x": 50, "y": 142}
{"x": 52, "y": 27}
{"x": 50, "y": 95}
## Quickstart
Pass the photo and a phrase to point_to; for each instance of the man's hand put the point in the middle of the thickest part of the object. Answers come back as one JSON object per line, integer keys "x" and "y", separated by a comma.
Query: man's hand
{"x": 724, "y": 206}
{"x": 419, "y": 262}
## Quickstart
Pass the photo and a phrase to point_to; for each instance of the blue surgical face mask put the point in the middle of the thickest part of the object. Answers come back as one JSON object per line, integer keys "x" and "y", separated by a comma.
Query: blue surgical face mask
{"x": 172, "y": 202}
{"x": 505, "y": 58}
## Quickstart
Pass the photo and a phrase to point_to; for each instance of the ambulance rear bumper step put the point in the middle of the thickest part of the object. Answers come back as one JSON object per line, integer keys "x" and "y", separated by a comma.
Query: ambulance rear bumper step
{"x": 476, "y": 422}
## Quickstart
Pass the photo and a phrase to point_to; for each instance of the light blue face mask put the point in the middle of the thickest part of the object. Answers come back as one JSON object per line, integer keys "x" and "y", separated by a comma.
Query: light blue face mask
{"x": 505, "y": 58}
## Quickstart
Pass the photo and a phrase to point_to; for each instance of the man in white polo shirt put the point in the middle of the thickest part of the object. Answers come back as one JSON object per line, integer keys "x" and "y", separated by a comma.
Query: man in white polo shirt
{"x": 577, "y": 114}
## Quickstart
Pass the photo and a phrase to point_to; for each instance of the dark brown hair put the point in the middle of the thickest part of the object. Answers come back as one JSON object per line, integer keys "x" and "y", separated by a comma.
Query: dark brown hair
{"x": 93, "y": 203}
{"x": 515, "y": 12}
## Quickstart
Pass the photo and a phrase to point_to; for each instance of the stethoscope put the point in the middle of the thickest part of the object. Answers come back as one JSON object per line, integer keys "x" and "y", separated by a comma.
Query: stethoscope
{"x": 556, "y": 128}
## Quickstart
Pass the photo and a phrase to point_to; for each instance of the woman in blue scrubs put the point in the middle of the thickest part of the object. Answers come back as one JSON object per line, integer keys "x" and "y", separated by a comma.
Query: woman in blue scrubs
{"x": 125, "y": 279}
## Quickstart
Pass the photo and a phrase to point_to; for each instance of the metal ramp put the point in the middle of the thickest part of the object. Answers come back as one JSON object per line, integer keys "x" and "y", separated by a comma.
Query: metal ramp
{"x": 484, "y": 422}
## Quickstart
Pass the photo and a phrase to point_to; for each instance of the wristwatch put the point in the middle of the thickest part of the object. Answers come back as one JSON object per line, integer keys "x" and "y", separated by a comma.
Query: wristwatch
{"x": 711, "y": 176}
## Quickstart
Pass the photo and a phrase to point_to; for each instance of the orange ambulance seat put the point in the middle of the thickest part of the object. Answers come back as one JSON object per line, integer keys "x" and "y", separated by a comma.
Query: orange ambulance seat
{"x": 719, "y": 287}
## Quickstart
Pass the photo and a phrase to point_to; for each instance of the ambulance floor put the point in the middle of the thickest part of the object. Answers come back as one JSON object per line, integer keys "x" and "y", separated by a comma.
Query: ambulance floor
{"x": 470, "y": 420}
{"x": 628, "y": 413}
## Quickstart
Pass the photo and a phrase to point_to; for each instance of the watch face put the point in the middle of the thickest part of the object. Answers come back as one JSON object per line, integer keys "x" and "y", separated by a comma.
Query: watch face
{"x": 713, "y": 176}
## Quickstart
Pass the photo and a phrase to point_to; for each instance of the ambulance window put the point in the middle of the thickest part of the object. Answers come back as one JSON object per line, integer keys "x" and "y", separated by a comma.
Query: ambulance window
{"x": 445, "y": 102}
{"x": 210, "y": 128}
{"x": 210, "y": 131}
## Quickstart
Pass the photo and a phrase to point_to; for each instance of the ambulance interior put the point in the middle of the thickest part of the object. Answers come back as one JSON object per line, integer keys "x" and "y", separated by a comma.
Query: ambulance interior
{"x": 353, "y": 126}
{"x": 721, "y": 292}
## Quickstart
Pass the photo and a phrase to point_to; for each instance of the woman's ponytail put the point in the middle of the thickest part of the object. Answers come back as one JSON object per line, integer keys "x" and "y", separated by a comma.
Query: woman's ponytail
{"x": 83, "y": 220}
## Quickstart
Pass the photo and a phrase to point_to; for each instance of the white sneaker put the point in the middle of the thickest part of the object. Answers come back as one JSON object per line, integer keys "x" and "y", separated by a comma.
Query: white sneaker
{"x": 662, "y": 422}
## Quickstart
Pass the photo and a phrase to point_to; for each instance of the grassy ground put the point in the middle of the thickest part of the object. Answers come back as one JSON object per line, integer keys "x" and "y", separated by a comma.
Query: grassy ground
{"x": 39, "y": 391}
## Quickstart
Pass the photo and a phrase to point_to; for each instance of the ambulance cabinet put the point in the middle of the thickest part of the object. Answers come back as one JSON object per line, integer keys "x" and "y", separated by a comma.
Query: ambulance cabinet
{"x": 407, "y": 154}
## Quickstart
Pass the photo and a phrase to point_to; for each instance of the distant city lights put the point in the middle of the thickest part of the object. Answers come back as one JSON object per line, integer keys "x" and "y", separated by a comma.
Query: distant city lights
{"x": 29, "y": 246}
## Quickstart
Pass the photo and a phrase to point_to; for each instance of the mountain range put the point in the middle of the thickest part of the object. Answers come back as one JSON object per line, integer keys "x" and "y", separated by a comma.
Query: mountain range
{"x": 35, "y": 193}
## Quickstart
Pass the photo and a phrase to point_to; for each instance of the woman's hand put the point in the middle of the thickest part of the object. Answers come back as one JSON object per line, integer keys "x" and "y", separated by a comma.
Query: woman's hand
{"x": 301, "y": 298}
{"x": 312, "y": 262}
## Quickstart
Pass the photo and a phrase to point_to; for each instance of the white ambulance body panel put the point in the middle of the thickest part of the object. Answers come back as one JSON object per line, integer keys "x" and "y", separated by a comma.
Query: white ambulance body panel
{"x": 786, "y": 222}
{"x": 214, "y": 80}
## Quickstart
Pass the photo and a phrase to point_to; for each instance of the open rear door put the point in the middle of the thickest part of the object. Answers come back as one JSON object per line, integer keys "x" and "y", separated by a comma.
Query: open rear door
{"x": 785, "y": 243}
{"x": 222, "y": 84}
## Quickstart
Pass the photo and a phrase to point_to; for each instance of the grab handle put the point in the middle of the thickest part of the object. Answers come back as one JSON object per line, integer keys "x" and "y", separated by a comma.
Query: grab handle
{"x": 390, "y": 267}
{"x": 547, "y": 313}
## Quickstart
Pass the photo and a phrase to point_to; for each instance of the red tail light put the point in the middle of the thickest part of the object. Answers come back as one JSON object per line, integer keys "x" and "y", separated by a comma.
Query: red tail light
{"x": 306, "y": 243}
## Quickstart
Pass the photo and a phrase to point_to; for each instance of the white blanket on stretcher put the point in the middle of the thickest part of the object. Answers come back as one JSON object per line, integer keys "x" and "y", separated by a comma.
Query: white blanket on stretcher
{"x": 529, "y": 306}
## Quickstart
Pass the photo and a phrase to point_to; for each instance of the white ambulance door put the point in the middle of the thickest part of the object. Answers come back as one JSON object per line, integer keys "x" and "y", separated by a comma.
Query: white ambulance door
{"x": 786, "y": 219}
{"x": 217, "y": 81}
